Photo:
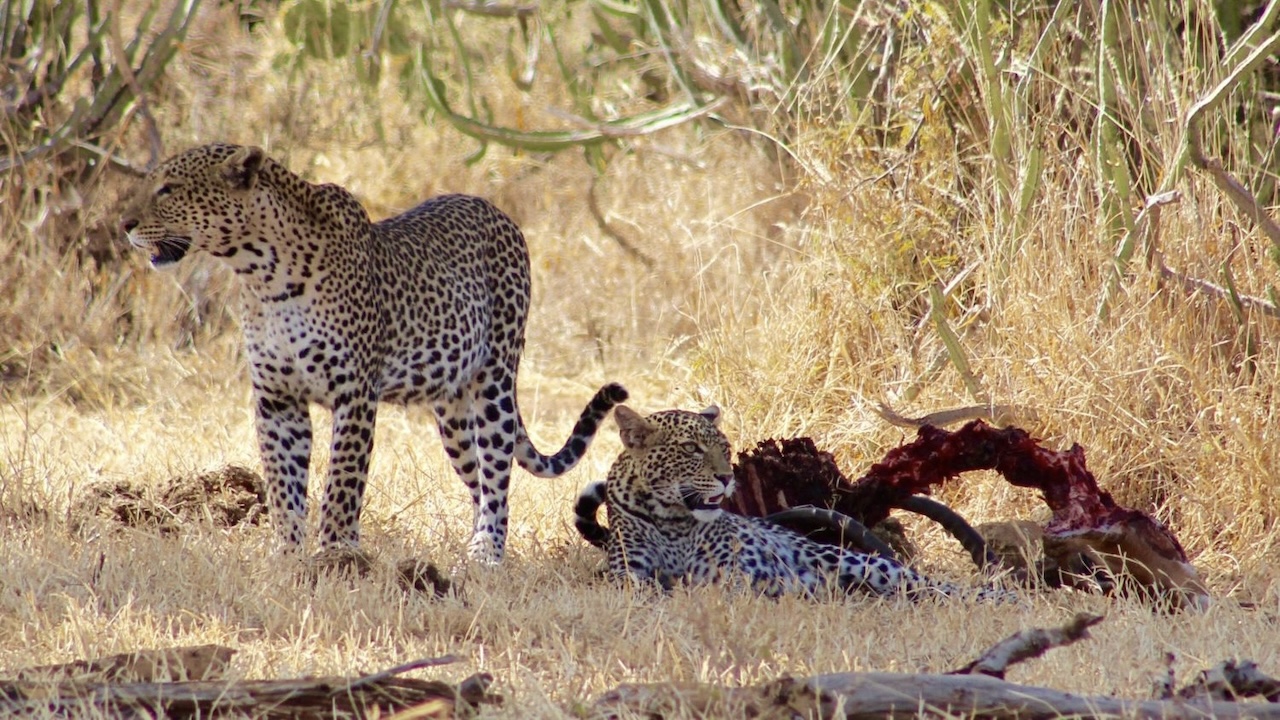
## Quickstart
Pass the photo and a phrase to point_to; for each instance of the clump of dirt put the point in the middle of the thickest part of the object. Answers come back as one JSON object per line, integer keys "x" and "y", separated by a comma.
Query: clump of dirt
{"x": 413, "y": 575}
{"x": 422, "y": 576}
{"x": 226, "y": 497}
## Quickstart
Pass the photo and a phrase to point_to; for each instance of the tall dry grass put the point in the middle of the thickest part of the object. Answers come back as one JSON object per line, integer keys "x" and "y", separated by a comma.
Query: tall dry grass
{"x": 789, "y": 285}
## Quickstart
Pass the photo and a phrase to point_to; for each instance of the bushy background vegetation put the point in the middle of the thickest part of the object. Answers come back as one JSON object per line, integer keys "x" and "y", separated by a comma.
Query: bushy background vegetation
{"x": 793, "y": 210}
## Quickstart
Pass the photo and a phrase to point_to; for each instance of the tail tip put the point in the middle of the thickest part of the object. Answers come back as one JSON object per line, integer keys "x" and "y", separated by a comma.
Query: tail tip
{"x": 614, "y": 393}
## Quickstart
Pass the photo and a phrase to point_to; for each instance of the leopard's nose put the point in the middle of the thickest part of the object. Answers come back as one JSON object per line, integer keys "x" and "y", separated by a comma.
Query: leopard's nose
{"x": 128, "y": 224}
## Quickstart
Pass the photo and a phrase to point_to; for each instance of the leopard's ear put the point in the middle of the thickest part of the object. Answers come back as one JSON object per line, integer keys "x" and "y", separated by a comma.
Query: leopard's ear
{"x": 632, "y": 427}
{"x": 240, "y": 171}
{"x": 712, "y": 413}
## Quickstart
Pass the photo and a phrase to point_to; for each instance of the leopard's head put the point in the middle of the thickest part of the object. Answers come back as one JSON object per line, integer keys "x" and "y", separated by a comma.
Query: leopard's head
{"x": 681, "y": 458}
{"x": 198, "y": 200}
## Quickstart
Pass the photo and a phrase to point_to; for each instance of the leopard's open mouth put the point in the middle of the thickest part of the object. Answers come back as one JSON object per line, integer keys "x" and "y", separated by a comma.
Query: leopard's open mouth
{"x": 169, "y": 250}
{"x": 708, "y": 503}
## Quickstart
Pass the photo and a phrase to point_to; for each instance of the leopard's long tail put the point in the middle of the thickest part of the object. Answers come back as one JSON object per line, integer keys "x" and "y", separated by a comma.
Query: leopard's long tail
{"x": 586, "y": 515}
{"x": 584, "y": 431}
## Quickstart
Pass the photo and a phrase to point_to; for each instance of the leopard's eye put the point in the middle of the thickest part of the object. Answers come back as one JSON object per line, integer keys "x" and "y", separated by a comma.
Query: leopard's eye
{"x": 691, "y": 447}
{"x": 164, "y": 190}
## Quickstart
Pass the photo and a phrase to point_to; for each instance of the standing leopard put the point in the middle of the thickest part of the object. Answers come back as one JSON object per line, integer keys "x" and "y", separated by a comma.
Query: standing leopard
{"x": 427, "y": 306}
{"x": 666, "y": 525}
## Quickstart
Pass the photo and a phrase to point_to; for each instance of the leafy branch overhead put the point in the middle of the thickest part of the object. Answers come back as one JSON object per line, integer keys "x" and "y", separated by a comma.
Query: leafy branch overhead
{"x": 50, "y": 55}
{"x": 647, "y": 66}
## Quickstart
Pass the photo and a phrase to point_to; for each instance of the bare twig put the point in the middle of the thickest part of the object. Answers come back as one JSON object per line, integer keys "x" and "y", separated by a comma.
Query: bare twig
{"x": 1194, "y": 284}
{"x": 1232, "y": 188}
{"x": 999, "y": 414}
{"x": 1192, "y": 152}
{"x": 155, "y": 144}
{"x": 1028, "y": 644}
{"x": 871, "y": 695}
{"x": 489, "y": 8}
{"x": 1147, "y": 229}
{"x": 402, "y": 669}
{"x": 593, "y": 205}
{"x": 113, "y": 160}
{"x": 1147, "y": 226}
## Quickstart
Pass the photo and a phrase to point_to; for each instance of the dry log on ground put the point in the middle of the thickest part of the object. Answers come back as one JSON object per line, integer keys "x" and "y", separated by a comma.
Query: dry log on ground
{"x": 875, "y": 695}
{"x": 197, "y": 662}
{"x": 133, "y": 685}
{"x": 977, "y": 690}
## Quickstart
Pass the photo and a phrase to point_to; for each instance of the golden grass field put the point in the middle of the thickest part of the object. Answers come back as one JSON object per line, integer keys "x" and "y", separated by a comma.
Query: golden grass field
{"x": 790, "y": 288}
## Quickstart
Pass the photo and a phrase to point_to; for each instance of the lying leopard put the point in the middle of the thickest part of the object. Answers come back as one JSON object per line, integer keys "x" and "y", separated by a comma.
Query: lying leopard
{"x": 428, "y": 306}
{"x": 663, "y": 497}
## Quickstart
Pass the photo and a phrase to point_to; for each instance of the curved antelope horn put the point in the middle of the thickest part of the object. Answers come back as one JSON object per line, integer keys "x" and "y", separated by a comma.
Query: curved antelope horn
{"x": 808, "y": 518}
{"x": 956, "y": 526}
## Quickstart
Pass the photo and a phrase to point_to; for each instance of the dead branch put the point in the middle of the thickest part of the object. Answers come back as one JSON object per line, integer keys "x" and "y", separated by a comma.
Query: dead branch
{"x": 489, "y": 8}
{"x": 999, "y": 414}
{"x": 593, "y": 205}
{"x": 1193, "y": 285}
{"x": 1148, "y": 228}
{"x": 875, "y": 695}
{"x": 94, "y": 688}
{"x": 1028, "y": 644}
{"x": 1232, "y": 681}
{"x": 1232, "y": 188}
{"x": 378, "y": 677}
{"x": 121, "y": 59}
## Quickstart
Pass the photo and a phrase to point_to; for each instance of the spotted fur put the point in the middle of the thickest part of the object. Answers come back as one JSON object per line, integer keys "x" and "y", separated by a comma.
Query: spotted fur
{"x": 424, "y": 307}
{"x": 663, "y": 499}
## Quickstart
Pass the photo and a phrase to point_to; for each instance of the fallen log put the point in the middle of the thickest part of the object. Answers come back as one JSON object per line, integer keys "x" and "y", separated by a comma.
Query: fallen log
{"x": 93, "y": 689}
{"x": 194, "y": 662}
{"x": 976, "y": 690}
{"x": 875, "y": 695}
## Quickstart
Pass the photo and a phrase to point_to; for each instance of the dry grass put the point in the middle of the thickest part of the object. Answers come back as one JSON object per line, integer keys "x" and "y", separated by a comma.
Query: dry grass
{"x": 795, "y": 305}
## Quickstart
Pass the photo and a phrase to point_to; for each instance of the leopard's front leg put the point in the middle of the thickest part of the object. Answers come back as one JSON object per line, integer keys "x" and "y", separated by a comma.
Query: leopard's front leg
{"x": 353, "y": 426}
{"x": 284, "y": 440}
